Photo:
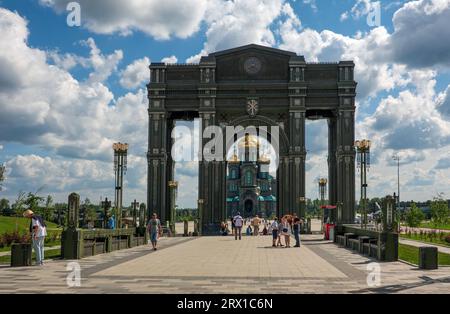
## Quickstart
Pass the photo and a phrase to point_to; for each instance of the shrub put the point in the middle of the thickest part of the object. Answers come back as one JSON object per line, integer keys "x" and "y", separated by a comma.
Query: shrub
{"x": 447, "y": 238}
{"x": 7, "y": 239}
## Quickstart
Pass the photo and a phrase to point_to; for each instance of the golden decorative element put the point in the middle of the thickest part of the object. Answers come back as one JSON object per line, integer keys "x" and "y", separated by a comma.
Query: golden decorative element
{"x": 249, "y": 141}
{"x": 363, "y": 145}
{"x": 323, "y": 181}
{"x": 264, "y": 159}
{"x": 234, "y": 159}
{"x": 173, "y": 184}
{"x": 120, "y": 147}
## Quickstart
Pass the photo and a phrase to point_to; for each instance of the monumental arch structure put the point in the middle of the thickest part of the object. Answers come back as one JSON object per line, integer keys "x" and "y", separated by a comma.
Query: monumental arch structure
{"x": 253, "y": 86}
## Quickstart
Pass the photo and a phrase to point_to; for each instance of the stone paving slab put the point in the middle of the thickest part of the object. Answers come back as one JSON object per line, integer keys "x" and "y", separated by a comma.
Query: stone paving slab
{"x": 225, "y": 257}
{"x": 221, "y": 265}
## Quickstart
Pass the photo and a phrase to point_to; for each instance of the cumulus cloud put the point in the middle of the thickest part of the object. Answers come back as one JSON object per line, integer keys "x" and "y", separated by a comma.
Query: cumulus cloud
{"x": 169, "y": 60}
{"x": 53, "y": 109}
{"x": 135, "y": 74}
{"x": 240, "y": 22}
{"x": 420, "y": 29}
{"x": 411, "y": 120}
{"x": 159, "y": 19}
{"x": 443, "y": 163}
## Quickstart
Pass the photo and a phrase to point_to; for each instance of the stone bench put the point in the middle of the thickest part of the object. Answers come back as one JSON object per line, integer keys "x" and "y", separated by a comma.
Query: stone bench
{"x": 353, "y": 243}
{"x": 340, "y": 239}
{"x": 347, "y": 237}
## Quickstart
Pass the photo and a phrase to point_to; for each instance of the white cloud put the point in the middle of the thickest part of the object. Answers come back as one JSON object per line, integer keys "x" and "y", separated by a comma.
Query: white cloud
{"x": 169, "y": 60}
{"x": 46, "y": 106}
{"x": 360, "y": 8}
{"x": 135, "y": 74}
{"x": 411, "y": 120}
{"x": 420, "y": 29}
{"x": 159, "y": 19}
{"x": 239, "y": 22}
{"x": 103, "y": 66}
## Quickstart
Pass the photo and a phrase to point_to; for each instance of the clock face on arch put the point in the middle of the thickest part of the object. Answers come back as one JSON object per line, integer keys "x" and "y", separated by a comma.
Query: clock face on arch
{"x": 252, "y": 65}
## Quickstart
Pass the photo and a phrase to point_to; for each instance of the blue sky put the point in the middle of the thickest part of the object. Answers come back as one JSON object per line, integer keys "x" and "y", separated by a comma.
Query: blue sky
{"x": 67, "y": 93}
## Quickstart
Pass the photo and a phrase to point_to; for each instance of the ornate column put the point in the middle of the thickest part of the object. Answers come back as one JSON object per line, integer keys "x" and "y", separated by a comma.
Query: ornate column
{"x": 345, "y": 141}
{"x": 297, "y": 151}
{"x": 212, "y": 172}
{"x": 157, "y": 155}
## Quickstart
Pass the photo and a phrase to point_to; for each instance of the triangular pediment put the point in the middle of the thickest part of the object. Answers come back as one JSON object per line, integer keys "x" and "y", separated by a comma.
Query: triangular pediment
{"x": 253, "y": 47}
{"x": 252, "y": 62}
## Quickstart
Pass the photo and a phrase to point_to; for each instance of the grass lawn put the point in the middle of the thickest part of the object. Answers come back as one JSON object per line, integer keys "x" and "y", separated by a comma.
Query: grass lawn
{"x": 428, "y": 224}
{"x": 417, "y": 237}
{"x": 411, "y": 254}
{"x": 50, "y": 254}
{"x": 9, "y": 224}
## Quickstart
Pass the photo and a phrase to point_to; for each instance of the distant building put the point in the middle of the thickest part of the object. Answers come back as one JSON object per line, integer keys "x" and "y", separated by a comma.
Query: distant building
{"x": 251, "y": 189}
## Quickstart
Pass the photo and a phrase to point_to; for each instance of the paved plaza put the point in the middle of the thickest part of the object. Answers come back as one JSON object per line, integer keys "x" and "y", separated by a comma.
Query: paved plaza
{"x": 223, "y": 265}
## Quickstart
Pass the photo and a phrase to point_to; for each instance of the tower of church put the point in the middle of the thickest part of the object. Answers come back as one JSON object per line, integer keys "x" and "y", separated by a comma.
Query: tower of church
{"x": 251, "y": 190}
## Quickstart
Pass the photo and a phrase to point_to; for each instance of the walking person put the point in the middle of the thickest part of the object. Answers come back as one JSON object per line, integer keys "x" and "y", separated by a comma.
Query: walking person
{"x": 296, "y": 228}
{"x": 255, "y": 223}
{"x": 38, "y": 231}
{"x": 286, "y": 232}
{"x": 238, "y": 222}
{"x": 274, "y": 227}
{"x": 233, "y": 227}
{"x": 154, "y": 228}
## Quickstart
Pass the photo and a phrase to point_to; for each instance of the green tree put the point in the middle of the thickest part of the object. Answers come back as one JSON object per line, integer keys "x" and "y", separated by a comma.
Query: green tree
{"x": 19, "y": 204}
{"x": 2, "y": 175}
{"x": 4, "y": 205}
{"x": 439, "y": 211}
{"x": 32, "y": 201}
{"x": 414, "y": 216}
{"x": 49, "y": 210}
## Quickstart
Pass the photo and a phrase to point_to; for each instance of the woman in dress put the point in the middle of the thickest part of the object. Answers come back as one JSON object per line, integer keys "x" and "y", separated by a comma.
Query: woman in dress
{"x": 286, "y": 231}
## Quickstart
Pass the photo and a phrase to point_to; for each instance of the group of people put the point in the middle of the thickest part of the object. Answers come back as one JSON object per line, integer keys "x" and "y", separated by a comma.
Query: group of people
{"x": 283, "y": 229}
{"x": 279, "y": 229}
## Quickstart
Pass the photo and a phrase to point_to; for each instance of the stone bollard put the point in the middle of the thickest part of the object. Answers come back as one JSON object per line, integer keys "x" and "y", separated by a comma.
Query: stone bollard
{"x": 186, "y": 228}
{"x": 196, "y": 232}
{"x": 428, "y": 257}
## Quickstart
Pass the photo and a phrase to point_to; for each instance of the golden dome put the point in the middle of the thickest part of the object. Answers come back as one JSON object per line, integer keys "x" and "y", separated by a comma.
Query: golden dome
{"x": 249, "y": 141}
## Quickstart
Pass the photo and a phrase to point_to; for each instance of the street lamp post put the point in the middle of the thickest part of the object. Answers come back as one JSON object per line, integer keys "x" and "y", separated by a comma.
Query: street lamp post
{"x": 201, "y": 202}
{"x": 120, "y": 168}
{"x": 135, "y": 205}
{"x": 173, "y": 186}
{"x": 322, "y": 191}
{"x": 363, "y": 150}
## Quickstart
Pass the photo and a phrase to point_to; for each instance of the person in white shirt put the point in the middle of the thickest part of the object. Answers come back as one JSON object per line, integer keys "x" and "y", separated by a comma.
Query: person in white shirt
{"x": 274, "y": 227}
{"x": 238, "y": 223}
{"x": 38, "y": 232}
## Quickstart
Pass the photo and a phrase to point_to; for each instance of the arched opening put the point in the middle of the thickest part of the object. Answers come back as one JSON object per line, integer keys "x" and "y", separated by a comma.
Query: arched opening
{"x": 251, "y": 186}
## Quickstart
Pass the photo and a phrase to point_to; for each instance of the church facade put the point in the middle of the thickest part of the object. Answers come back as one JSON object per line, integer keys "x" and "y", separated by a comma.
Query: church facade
{"x": 251, "y": 189}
